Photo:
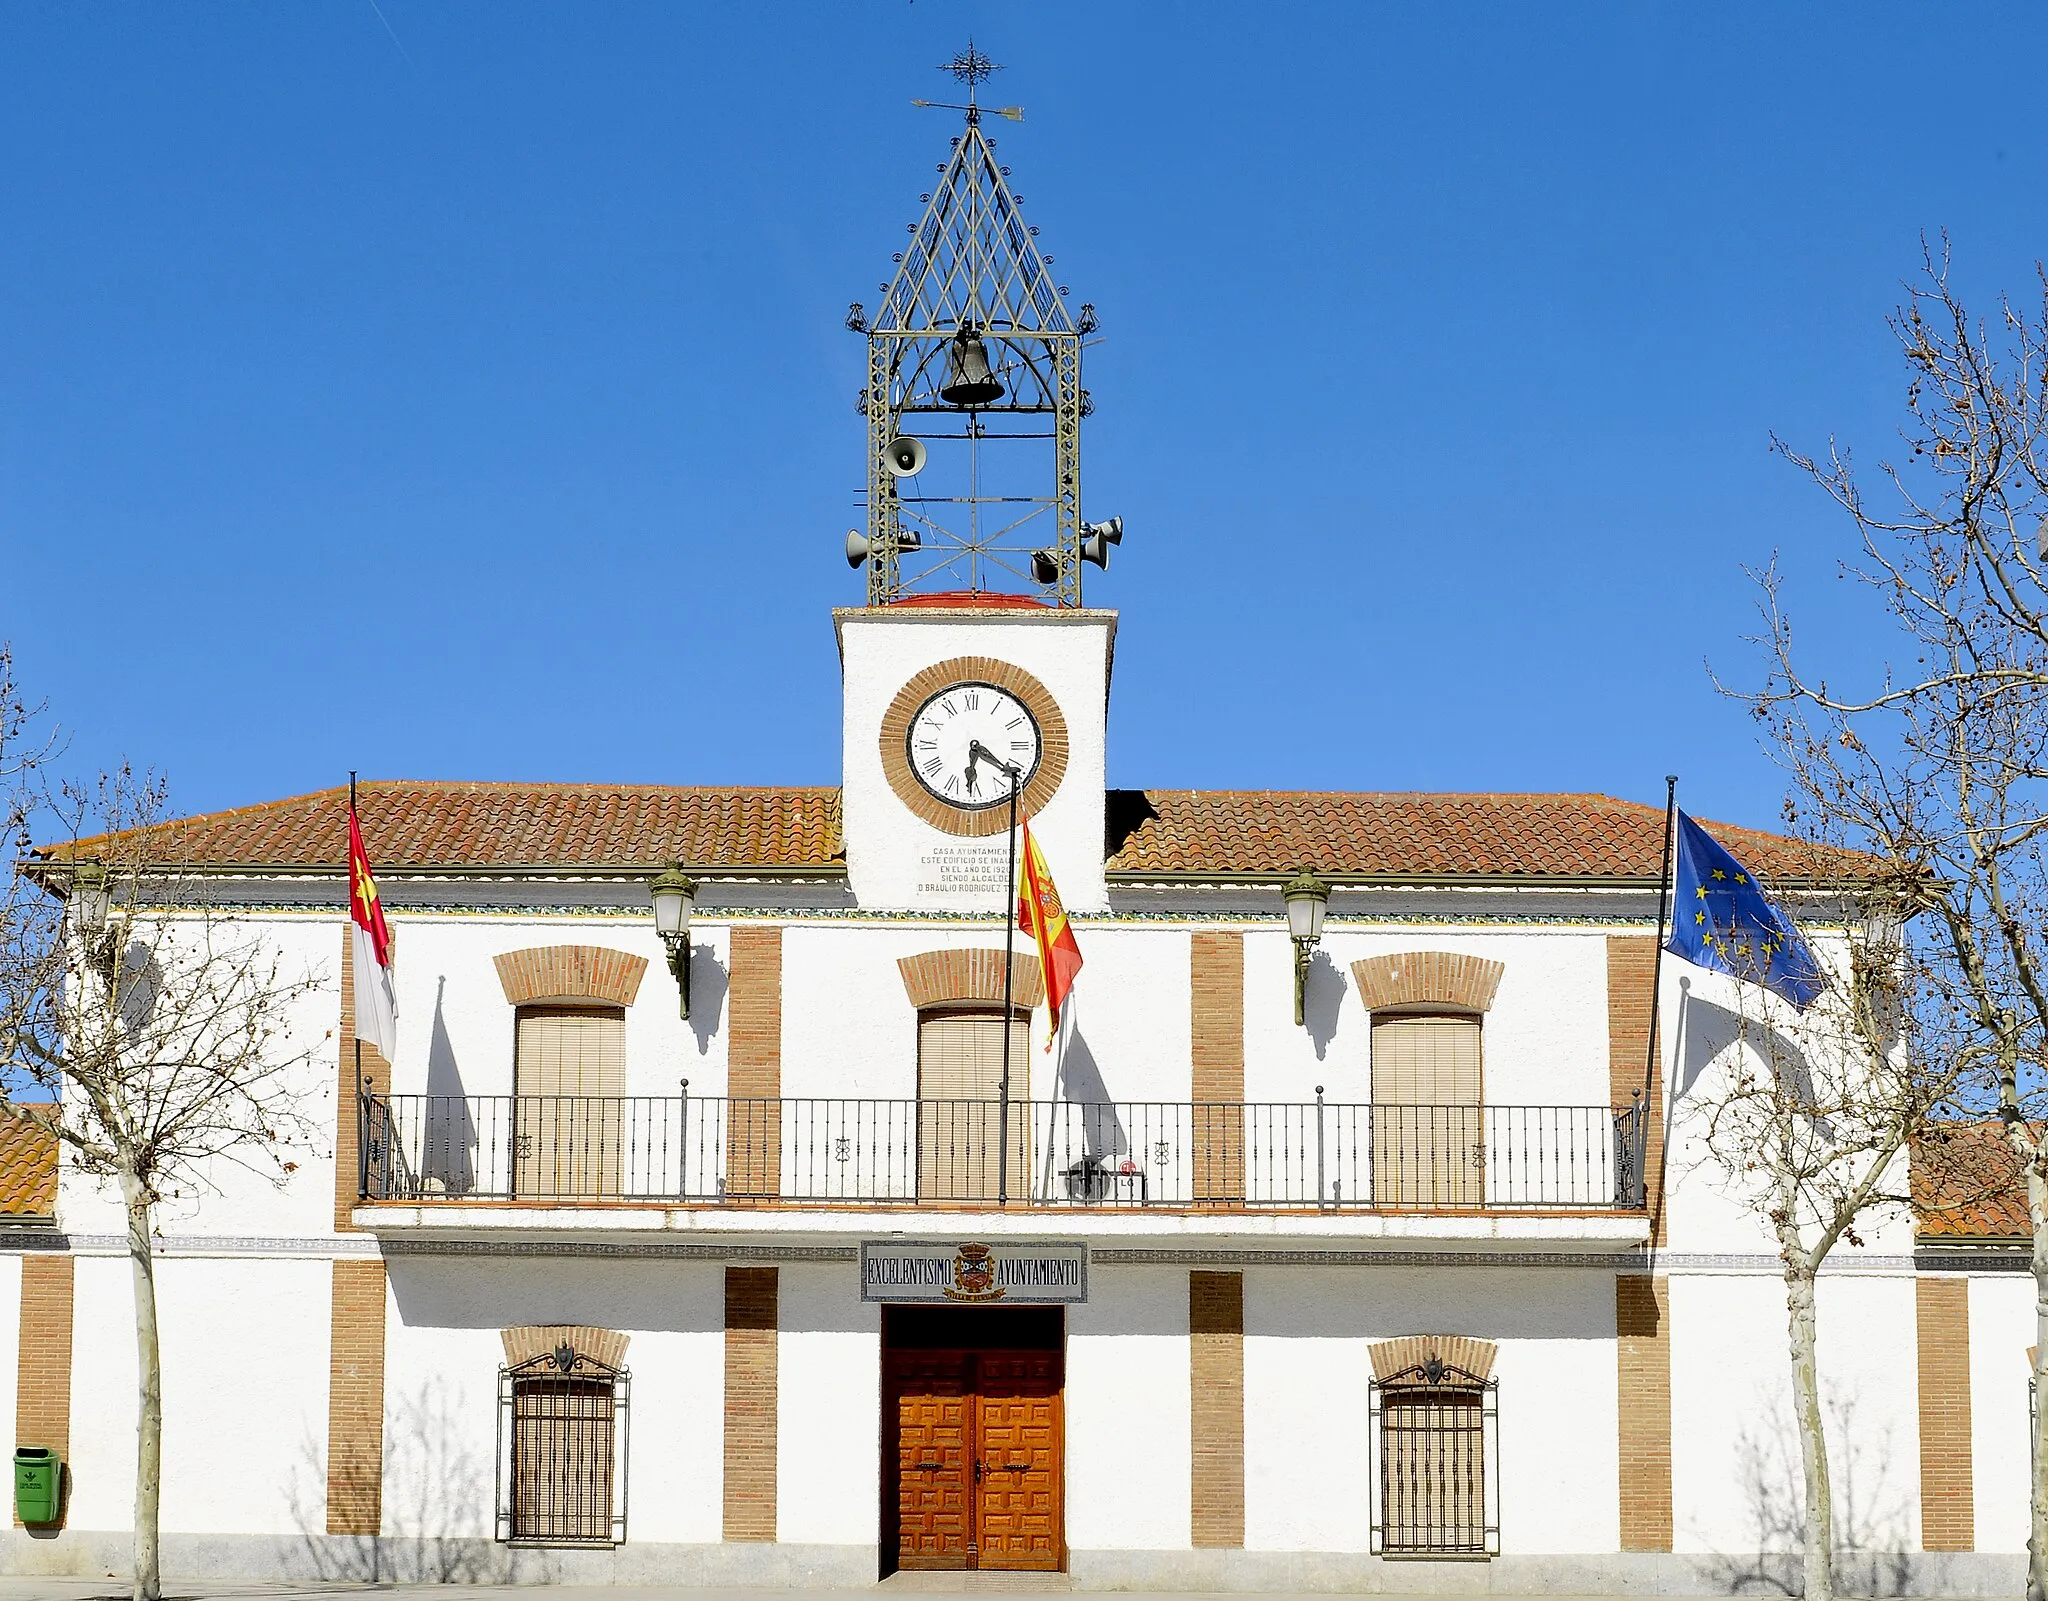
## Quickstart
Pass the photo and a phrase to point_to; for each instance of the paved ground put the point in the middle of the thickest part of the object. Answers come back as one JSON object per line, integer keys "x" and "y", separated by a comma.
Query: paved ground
{"x": 988, "y": 1585}
{"x": 966, "y": 1587}
{"x": 975, "y": 1588}
{"x": 13, "y": 1589}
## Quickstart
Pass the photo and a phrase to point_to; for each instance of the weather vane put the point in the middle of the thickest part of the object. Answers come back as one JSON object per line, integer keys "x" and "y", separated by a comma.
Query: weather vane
{"x": 971, "y": 67}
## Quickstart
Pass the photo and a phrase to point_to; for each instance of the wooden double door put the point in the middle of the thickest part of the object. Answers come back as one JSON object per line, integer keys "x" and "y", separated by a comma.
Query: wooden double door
{"x": 974, "y": 1441}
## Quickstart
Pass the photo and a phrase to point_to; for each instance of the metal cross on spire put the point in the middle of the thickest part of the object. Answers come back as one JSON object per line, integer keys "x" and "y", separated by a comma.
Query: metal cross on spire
{"x": 971, "y": 67}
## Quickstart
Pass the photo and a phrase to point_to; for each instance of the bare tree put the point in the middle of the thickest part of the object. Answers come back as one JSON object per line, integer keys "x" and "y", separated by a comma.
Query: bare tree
{"x": 1809, "y": 1115}
{"x": 27, "y": 745}
{"x": 152, "y": 1029}
{"x": 1937, "y": 760}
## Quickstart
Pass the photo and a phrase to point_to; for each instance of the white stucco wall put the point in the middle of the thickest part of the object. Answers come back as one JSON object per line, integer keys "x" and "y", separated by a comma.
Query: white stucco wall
{"x": 1735, "y": 1456}
{"x": 1131, "y": 1019}
{"x": 1544, "y": 1041}
{"x": 232, "y": 1198}
{"x": 828, "y": 1482}
{"x": 849, "y": 1028}
{"x": 1127, "y": 1405}
{"x": 456, "y": 1030}
{"x": 1307, "y": 1369}
{"x": 2002, "y": 1329}
{"x": 443, "y": 1351}
{"x": 245, "y": 1358}
{"x": 1706, "y": 1209}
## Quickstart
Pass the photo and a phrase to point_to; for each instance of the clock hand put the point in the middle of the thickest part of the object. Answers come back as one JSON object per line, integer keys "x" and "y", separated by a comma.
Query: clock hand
{"x": 978, "y": 752}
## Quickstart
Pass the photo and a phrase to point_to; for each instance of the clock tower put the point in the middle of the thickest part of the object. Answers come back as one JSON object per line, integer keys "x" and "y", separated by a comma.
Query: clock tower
{"x": 974, "y": 669}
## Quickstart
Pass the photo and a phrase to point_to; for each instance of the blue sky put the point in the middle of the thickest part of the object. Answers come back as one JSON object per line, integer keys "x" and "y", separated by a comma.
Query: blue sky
{"x": 467, "y": 397}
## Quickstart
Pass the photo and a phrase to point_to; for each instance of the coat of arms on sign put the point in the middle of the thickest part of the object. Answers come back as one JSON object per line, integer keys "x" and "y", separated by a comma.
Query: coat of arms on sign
{"x": 974, "y": 1276}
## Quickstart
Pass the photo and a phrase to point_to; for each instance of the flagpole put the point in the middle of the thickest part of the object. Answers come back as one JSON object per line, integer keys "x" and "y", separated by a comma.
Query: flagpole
{"x": 1657, "y": 961}
{"x": 355, "y": 1033}
{"x": 1009, "y": 960}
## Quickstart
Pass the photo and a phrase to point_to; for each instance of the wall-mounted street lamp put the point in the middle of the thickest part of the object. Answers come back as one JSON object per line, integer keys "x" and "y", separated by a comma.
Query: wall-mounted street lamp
{"x": 92, "y": 906}
{"x": 1307, "y": 897}
{"x": 675, "y": 897}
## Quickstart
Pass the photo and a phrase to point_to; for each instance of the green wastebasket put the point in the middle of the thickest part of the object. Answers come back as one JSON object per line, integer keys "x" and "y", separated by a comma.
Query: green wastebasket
{"x": 37, "y": 1476}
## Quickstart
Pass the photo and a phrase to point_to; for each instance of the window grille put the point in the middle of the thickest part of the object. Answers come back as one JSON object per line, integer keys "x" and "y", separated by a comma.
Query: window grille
{"x": 1434, "y": 1440}
{"x": 562, "y": 1432}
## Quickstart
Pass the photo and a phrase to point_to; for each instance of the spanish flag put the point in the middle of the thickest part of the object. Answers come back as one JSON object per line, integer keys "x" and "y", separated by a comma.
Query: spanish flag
{"x": 1041, "y": 915}
{"x": 370, "y": 950}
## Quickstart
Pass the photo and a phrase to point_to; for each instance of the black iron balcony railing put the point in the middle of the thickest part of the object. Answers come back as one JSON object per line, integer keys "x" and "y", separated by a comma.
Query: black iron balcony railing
{"x": 714, "y": 1150}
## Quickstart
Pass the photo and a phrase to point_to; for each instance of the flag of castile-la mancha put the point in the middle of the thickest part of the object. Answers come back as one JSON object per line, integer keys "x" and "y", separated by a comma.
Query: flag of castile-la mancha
{"x": 1041, "y": 915}
{"x": 370, "y": 951}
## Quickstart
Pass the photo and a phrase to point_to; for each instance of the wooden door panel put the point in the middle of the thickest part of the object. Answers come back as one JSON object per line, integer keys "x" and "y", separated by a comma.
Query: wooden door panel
{"x": 934, "y": 1459}
{"x": 952, "y": 1410}
{"x": 1018, "y": 1436}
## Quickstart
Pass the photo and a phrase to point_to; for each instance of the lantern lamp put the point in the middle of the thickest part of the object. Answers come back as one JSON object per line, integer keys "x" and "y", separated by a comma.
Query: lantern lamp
{"x": 675, "y": 898}
{"x": 1308, "y": 898}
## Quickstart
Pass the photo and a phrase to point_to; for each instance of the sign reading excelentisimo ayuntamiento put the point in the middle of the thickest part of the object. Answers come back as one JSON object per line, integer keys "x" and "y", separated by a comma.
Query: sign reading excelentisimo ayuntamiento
{"x": 1012, "y": 1274}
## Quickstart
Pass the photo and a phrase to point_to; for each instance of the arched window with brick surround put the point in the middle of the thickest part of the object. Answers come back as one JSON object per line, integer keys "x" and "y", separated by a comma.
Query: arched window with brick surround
{"x": 964, "y": 1129}
{"x": 1428, "y": 1119}
{"x": 569, "y": 1069}
{"x": 563, "y": 1396}
{"x": 1435, "y": 1447}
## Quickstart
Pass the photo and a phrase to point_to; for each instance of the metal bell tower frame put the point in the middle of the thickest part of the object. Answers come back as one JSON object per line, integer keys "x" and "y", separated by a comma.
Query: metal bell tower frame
{"x": 973, "y": 270}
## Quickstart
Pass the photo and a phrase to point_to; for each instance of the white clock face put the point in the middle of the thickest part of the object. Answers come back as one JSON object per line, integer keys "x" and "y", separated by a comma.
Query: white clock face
{"x": 960, "y": 734}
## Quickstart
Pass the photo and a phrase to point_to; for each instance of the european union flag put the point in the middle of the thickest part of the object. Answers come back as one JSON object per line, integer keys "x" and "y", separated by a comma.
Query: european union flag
{"x": 1723, "y": 921}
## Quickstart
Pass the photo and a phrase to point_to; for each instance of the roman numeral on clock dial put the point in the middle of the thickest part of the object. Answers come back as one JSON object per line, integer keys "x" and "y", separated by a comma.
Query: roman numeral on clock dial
{"x": 964, "y": 740}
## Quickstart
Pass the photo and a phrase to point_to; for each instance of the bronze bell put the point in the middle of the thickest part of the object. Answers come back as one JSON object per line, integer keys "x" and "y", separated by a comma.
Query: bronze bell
{"x": 968, "y": 380}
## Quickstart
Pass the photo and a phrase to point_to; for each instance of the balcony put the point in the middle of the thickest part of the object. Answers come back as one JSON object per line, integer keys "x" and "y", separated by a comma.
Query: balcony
{"x": 428, "y": 1151}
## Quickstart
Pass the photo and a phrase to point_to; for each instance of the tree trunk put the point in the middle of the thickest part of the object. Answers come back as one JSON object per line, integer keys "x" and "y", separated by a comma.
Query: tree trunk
{"x": 1813, "y": 1441}
{"x": 149, "y": 1419}
{"x": 2037, "y": 1536}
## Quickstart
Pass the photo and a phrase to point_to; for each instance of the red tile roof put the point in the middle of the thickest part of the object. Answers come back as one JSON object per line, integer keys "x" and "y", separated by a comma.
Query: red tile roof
{"x": 428, "y": 825}
{"x": 1170, "y": 831}
{"x": 1167, "y": 833}
{"x": 28, "y": 1169}
{"x": 1967, "y": 1184}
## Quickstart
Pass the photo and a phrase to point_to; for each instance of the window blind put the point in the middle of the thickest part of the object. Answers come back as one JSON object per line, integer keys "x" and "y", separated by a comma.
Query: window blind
{"x": 569, "y": 1076}
{"x": 1428, "y": 1138}
{"x": 960, "y": 1112}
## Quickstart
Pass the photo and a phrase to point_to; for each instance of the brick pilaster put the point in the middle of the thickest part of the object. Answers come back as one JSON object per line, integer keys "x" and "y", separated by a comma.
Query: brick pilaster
{"x": 1642, "y": 1352}
{"x": 355, "y": 1400}
{"x": 1631, "y": 964}
{"x": 347, "y": 1172}
{"x": 1216, "y": 1397}
{"x": 751, "y": 1295}
{"x": 1948, "y": 1510}
{"x": 754, "y": 1063}
{"x": 42, "y": 1396}
{"x": 1216, "y": 1030}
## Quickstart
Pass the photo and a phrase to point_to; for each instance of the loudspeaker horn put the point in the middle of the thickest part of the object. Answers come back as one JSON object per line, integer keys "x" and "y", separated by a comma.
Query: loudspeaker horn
{"x": 858, "y": 549}
{"x": 1096, "y": 538}
{"x": 905, "y": 456}
{"x": 1045, "y": 567}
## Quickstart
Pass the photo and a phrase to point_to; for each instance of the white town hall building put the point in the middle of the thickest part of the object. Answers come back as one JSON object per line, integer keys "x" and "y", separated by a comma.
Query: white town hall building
{"x": 1321, "y": 1266}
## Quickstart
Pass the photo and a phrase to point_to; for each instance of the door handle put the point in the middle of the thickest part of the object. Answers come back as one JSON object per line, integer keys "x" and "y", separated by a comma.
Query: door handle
{"x": 977, "y": 1470}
